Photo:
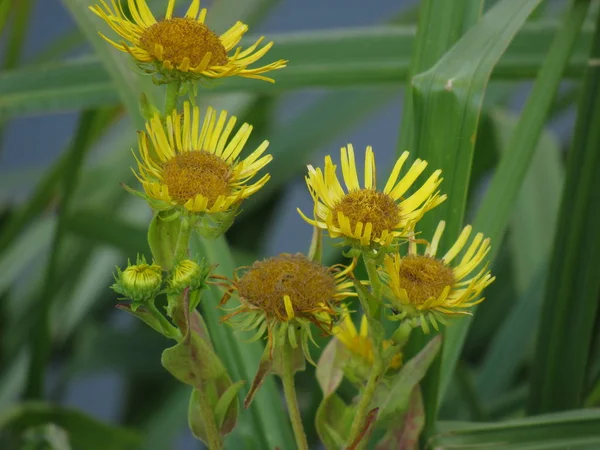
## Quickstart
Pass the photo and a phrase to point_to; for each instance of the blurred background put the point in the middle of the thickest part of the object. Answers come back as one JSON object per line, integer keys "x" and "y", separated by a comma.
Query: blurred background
{"x": 105, "y": 364}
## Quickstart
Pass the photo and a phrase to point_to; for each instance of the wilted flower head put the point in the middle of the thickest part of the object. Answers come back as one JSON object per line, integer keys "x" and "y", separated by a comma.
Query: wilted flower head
{"x": 289, "y": 289}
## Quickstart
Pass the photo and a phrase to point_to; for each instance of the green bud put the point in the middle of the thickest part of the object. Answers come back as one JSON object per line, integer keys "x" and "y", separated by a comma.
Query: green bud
{"x": 187, "y": 273}
{"x": 140, "y": 282}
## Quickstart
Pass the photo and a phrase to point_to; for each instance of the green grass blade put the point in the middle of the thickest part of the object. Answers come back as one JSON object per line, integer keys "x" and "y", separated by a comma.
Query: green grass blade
{"x": 365, "y": 57}
{"x": 533, "y": 224}
{"x": 441, "y": 23}
{"x": 84, "y": 432}
{"x": 573, "y": 289}
{"x": 447, "y": 101}
{"x": 575, "y": 429}
{"x": 41, "y": 342}
{"x": 497, "y": 205}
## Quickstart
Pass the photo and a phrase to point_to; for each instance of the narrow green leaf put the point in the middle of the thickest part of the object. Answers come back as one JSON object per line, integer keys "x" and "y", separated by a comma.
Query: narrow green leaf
{"x": 41, "y": 337}
{"x": 365, "y": 57}
{"x": 573, "y": 290}
{"x": 574, "y": 429}
{"x": 533, "y": 224}
{"x": 440, "y": 25}
{"x": 84, "y": 432}
{"x": 496, "y": 207}
{"x": 446, "y": 102}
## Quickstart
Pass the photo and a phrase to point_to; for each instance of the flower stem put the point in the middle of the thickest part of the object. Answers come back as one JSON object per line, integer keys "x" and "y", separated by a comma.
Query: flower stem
{"x": 213, "y": 436}
{"x": 183, "y": 240}
{"x": 170, "y": 330}
{"x": 289, "y": 389}
{"x": 172, "y": 96}
{"x": 364, "y": 404}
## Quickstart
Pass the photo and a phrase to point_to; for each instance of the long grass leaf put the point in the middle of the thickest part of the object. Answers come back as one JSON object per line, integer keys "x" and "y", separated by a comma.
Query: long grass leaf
{"x": 573, "y": 289}
{"x": 365, "y": 57}
{"x": 495, "y": 211}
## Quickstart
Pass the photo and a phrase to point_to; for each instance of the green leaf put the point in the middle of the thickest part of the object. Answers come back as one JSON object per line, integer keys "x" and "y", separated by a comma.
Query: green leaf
{"x": 84, "y": 432}
{"x": 226, "y": 407}
{"x": 573, "y": 429}
{"x": 496, "y": 207}
{"x": 533, "y": 224}
{"x": 573, "y": 291}
{"x": 330, "y": 368}
{"x": 405, "y": 434}
{"x": 446, "y": 103}
{"x": 394, "y": 400}
{"x": 377, "y": 56}
{"x": 162, "y": 238}
{"x": 333, "y": 422}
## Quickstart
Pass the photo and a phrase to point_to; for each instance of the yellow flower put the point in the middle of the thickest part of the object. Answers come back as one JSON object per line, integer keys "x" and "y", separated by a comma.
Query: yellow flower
{"x": 358, "y": 342}
{"x": 195, "y": 167}
{"x": 289, "y": 290}
{"x": 425, "y": 288}
{"x": 365, "y": 215}
{"x": 182, "y": 47}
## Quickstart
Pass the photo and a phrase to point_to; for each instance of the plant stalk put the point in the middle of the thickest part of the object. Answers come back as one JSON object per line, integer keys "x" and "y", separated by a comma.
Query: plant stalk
{"x": 171, "y": 97}
{"x": 289, "y": 389}
{"x": 364, "y": 404}
{"x": 183, "y": 240}
{"x": 213, "y": 436}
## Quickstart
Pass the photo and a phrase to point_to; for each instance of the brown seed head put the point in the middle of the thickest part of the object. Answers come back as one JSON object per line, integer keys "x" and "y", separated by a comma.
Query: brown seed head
{"x": 369, "y": 205}
{"x": 424, "y": 277}
{"x": 184, "y": 38}
{"x": 309, "y": 284}
{"x": 196, "y": 172}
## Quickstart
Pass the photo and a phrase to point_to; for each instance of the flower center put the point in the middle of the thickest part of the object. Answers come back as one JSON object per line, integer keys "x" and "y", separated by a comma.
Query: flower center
{"x": 369, "y": 205}
{"x": 196, "y": 172}
{"x": 309, "y": 284}
{"x": 183, "y": 38}
{"x": 424, "y": 277}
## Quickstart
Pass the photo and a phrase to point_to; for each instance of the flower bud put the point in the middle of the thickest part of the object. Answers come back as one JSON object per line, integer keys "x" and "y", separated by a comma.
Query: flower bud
{"x": 187, "y": 273}
{"x": 140, "y": 282}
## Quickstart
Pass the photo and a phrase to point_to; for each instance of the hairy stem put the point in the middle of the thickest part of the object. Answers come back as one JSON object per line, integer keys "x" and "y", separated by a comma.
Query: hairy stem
{"x": 364, "y": 404}
{"x": 213, "y": 437}
{"x": 171, "y": 97}
{"x": 289, "y": 389}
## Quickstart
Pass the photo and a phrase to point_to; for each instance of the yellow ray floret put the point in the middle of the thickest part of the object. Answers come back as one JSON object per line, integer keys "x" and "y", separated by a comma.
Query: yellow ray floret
{"x": 426, "y": 287}
{"x": 366, "y": 214}
{"x": 195, "y": 165}
{"x": 183, "y": 47}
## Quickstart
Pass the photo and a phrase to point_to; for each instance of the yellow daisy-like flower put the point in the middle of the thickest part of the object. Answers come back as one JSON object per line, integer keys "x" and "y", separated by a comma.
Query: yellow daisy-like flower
{"x": 365, "y": 215}
{"x": 289, "y": 290}
{"x": 183, "y": 47}
{"x": 358, "y": 342}
{"x": 197, "y": 167}
{"x": 425, "y": 288}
